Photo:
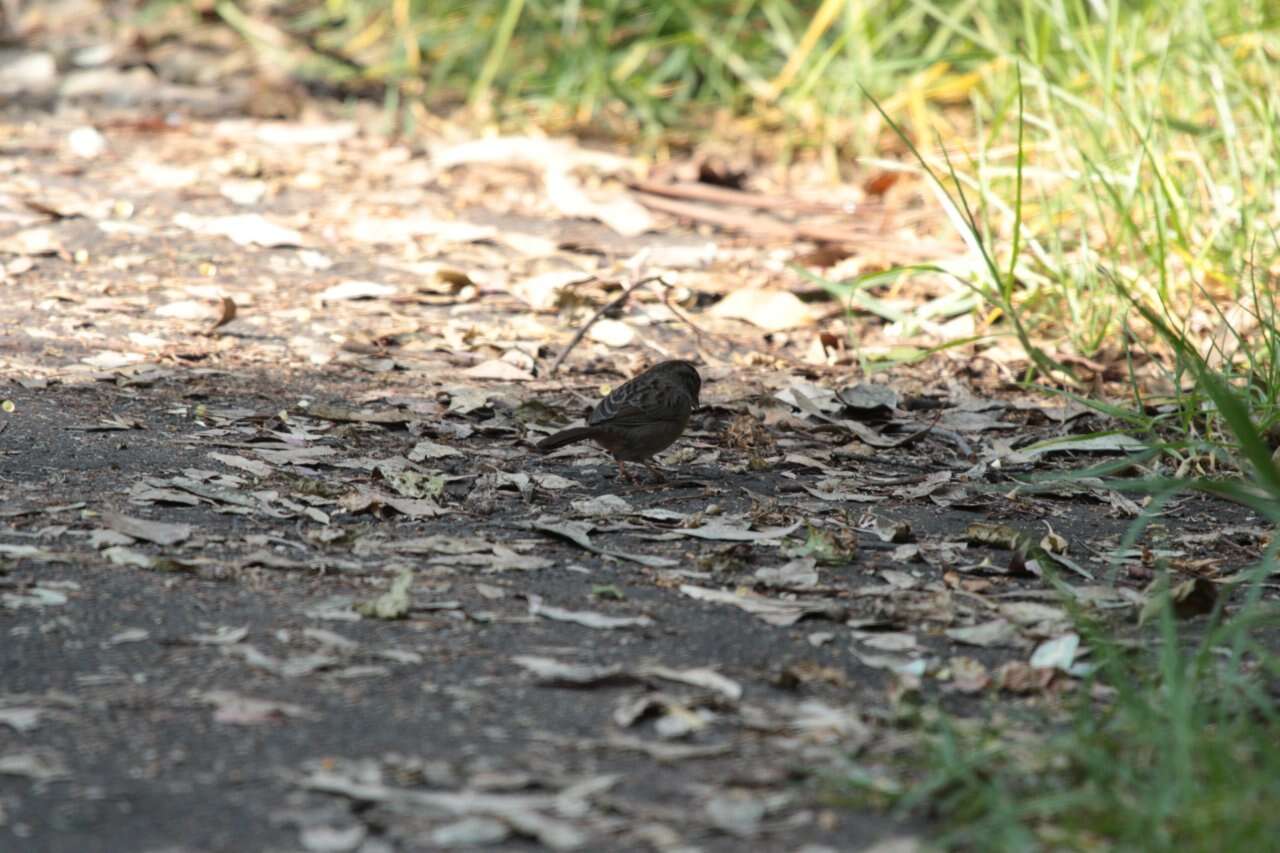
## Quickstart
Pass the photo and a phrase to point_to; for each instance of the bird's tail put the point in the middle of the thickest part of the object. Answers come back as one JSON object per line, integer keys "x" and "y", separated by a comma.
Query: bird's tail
{"x": 565, "y": 436}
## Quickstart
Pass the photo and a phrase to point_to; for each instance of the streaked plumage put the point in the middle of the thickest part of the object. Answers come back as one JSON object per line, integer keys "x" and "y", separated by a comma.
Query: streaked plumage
{"x": 640, "y": 417}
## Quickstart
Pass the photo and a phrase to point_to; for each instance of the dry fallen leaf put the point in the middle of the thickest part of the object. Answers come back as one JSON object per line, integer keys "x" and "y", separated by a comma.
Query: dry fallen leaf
{"x": 1057, "y": 653}
{"x": 579, "y": 533}
{"x": 1191, "y": 598}
{"x": 555, "y": 673}
{"x": 725, "y": 531}
{"x": 21, "y": 719}
{"x": 618, "y": 210}
{"x": 997, "y": 632}
{"x": 800, "y": 573}
{"x": 32, "y": 241}
{"x": 234, "y": 709}
{"x": 496, "y": 368}
{"x": 291, "y": 667}
{"x": 245, "y": 229}
{"x": 585, "y": 618}
{"x": 542, "y": 291}
{"x": 772, "y": 310}
{"x": 772, "y": 610}
{"x": 968, "y": 675}
{"x": 38, "y": 764}
{"x": 226, "y": 313}
{"x": 613, "y": 333}
{"x": 358, "y": 290}
{"x": 158, "y": 532}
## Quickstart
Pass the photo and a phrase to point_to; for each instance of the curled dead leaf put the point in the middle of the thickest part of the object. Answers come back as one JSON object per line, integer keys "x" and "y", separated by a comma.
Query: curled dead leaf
{"x": 1191, "y": 598}
{"x": 226, "y": 312}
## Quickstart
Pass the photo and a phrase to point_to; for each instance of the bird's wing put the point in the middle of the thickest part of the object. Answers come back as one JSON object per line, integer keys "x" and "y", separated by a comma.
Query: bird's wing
{"x": 625, "y": 410}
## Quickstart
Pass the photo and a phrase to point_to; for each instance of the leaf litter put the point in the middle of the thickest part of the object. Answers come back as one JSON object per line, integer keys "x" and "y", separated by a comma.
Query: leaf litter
{"x": 287, "y": 383}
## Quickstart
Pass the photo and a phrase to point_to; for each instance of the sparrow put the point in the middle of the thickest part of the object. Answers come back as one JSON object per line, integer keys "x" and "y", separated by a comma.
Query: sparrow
{"x": 640, "y": 417}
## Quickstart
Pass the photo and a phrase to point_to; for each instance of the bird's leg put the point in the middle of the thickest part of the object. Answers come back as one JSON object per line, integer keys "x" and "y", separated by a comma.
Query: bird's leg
{"x": 658, "y": 476}
{"x": 625, "y": 474}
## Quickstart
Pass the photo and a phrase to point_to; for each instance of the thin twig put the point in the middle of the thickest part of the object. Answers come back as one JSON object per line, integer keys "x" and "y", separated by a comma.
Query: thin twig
{"x": 609, "y": 307}
{"x": 698, "y": 333}
{"x": 739, "y": 198}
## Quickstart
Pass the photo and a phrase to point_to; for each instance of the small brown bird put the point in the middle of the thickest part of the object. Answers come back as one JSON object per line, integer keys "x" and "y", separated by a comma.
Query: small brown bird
{"x": 641, "y": 417}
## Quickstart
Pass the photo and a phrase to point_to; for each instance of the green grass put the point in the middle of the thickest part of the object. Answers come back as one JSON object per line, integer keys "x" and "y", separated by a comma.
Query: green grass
{"x": 1174, "y": 741}
{"x": 1174, "y": 745}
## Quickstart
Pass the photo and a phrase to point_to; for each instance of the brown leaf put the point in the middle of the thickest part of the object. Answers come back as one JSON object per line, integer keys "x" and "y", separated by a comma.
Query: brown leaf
{"x": 880, "y": 183}
{"x": 1194, "y": 597}
{"x": 226, "y": 312}
{"x": 1191, "y": 598}
{"x": 1018, "y": 677}
{"x": 968, "y": 675}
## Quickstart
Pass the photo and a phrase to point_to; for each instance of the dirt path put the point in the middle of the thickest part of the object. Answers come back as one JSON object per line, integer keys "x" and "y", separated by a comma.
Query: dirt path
{"x": 206, "y": 519}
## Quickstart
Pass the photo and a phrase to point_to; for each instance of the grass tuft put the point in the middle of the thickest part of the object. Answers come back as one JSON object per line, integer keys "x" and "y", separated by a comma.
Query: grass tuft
{"x": 1173, "y": 744}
